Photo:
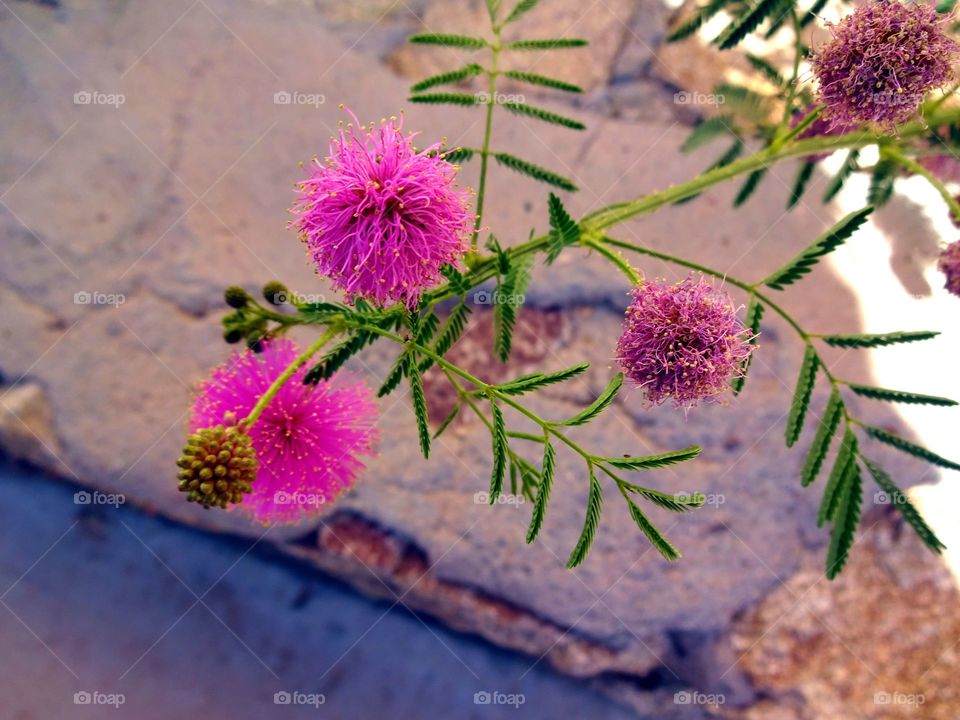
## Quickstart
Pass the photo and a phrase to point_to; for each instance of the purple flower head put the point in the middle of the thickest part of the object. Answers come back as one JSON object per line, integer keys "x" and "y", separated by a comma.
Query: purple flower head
{"x": 883, "y": 59}
{"x": 307, "y": 440}
{"x": 380, "y": 218}
{"x": 949, "y": 265}
{"x": 682, "y": 341}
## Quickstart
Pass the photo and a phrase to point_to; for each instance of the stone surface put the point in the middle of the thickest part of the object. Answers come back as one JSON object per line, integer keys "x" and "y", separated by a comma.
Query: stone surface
{"x": 817, "y": 649}
{"x": 118, "y": 242}
{"x": 211, "y": 627}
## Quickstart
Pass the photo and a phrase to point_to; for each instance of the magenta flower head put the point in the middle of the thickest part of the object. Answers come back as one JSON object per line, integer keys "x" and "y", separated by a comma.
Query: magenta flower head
{"x": 380, "y": 218}
{"x": 883, "y": 59}
{"x": 682, "y": 342}
{"x": 308, "y": 440}
{"x": 949, "y": 265}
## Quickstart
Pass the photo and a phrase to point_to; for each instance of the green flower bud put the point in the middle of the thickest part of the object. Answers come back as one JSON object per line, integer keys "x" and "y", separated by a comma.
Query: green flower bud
{"x": 218, "y": 465}
{"x": 276, "y": 293}
{"x": 236, "y": 297}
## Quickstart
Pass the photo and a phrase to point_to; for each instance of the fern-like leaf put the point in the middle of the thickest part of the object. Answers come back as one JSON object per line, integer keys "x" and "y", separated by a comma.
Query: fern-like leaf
{"x": 902, "y": 503}
{"x": 870, "y": 341}
{"x": 881, "y": 183}
{"x": 451, "y": 416}
{"x": 336, "y": 358}
{"x": 519, "y": 108}
{"x": 454, "y": 76}
{"x": 457, "y": 41}
{"x": 535, "y": 171}
{"x": 821, "y": 441}
{"x": 419, "y": 408}
{"x": 752, "y": 323}
{"x": 547, "y": 44}
{"x": 673, "y": 503}
{"x": 695, "y": 22}
{"x": 846, "y": 519}
{"x": 655, "y": 537}
{"x": 801, "y": 396}
{"x": 910, "y": 448}
{"x": 590, "y": 524}
{"x": 707, "y": 131}
{"x": 445, "y": 98}
{"x": 850, "y": 166}
{"x": 542, "y": 80}
{"x": 746, "y": 23}
{"x": 499, "y": 434}
{"x": 543, "y": 495}
{"x": 563, "y": 230}
{"x": 877, "y": 393}
{"x": 510, "y": 297}
{"x": 749, "y": 185}
{"x": 522, "y": 7}
{"x": 766, "y": 69}
{"x": 395, "y": 375}
{"x": 800, "y": 183}
{"x": 826, "y": 243}
{"x": 650, "y": 462}
{"x": 534, "y": 381}
{"x": 458, "y": 155}
{"x": 832, "y": 493}
{"x": 598, "y": 405}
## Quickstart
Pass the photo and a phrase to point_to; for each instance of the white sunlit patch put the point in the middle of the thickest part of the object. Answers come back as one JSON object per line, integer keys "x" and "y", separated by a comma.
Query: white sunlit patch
{"x": 928, "y": 367}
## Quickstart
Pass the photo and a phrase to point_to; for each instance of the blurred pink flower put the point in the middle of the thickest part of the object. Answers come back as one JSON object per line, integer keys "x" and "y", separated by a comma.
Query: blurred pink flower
{"x": 307, "y": 440}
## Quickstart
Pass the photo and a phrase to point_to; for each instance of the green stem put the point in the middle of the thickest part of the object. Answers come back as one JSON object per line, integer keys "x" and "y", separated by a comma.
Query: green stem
{"x": 913, "y": 166}
{"x": 287, "y": 374}
{"x": 487, "y": 131}
{"x": 617, "y": 259}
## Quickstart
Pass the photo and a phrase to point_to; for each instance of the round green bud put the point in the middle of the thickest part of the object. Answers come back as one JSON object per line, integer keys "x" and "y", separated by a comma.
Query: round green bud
{"x": 236, "y": 297}
{"x": 276, "y": 293}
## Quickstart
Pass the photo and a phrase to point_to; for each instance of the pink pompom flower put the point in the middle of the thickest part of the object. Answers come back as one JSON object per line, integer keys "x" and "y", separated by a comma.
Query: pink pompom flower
{"x": 308, "y": 440}
{"x": 883, "y": 59}
{"x": 380, "y": 218}
{"x": 682, "y": 342}
{"x": 949, "y": 265}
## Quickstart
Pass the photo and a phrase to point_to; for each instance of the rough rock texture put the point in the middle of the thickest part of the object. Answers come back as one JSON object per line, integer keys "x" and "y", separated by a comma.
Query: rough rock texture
{"x": 816, "y": 649}
{"x": 118, "y": 241}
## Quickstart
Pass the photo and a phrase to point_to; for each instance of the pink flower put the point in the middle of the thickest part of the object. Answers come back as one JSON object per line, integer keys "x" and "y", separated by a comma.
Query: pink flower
{"x": 682, "y": 341}
{"x": 307, "y": 440}
{"x": 883, "y": 59}
{"x": 379, "y": 218}
{"x": 949, "y": 265}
